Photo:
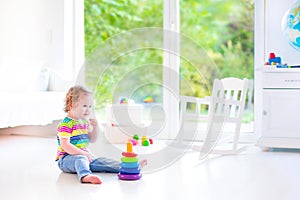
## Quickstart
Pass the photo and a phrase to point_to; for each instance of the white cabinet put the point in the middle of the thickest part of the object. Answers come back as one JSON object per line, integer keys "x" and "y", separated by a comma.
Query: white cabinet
{"x": 280, "y": 121}
{"x": 277, "y": 90}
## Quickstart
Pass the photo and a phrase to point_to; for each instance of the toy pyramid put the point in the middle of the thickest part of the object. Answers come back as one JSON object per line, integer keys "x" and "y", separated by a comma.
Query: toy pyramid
{"x": 130, "y": 168}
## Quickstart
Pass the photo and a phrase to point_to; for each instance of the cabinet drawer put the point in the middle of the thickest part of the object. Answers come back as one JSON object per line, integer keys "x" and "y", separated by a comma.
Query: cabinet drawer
{"x": 281, "y": 80}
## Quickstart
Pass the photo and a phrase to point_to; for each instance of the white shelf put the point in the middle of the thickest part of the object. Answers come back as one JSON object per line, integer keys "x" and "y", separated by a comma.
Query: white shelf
{"x": 274, "y": 69}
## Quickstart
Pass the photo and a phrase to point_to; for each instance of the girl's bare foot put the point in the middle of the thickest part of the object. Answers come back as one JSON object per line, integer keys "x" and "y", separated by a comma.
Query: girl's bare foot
{"x": 143, "y": 163}
{"x": 91, "y": 179}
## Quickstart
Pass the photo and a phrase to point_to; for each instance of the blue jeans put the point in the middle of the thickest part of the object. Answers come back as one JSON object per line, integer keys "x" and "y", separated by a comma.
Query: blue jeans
{"x": 80, "y": 164}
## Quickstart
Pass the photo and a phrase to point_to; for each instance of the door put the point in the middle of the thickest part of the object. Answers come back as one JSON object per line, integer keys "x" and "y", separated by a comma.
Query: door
{"x": 281, "y": 113}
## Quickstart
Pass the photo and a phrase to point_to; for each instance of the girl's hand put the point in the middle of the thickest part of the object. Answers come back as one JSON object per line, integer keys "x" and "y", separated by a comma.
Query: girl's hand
{"x": 93, "y": 134}
{"x": 93, "y": 122}
{"x": 89, "y": 156}
{"x": 90, "y": 128}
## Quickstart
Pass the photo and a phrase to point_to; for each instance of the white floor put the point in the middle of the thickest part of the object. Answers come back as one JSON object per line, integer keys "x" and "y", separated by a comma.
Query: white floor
{"x": 28, "y": 171}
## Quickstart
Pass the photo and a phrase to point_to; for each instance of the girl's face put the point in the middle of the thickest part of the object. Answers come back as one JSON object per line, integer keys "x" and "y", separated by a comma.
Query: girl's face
{"x": 83, "y": 107}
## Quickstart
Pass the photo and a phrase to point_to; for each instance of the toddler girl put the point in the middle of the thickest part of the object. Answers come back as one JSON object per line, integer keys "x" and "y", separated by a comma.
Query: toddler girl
{"x": 75, "y": 132}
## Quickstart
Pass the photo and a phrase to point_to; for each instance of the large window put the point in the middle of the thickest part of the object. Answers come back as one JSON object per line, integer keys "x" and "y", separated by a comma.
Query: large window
{"x": 221, "y": 29}
{"x": 129, "y": 75}
{"x": 224, "y": 30}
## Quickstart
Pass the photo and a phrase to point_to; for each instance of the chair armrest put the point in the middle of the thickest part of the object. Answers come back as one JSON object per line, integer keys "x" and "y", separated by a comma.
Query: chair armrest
{"x": 199, "y": 102}
{"x": 196, "y": 100}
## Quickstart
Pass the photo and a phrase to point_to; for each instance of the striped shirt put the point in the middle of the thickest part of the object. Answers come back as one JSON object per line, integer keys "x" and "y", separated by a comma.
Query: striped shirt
{"x": 76, "y": 131}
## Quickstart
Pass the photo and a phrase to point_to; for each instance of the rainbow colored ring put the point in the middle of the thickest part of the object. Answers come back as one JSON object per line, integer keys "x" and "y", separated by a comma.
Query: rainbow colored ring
{"x": 129, "y": 176}
{"x": 130, "y": 155}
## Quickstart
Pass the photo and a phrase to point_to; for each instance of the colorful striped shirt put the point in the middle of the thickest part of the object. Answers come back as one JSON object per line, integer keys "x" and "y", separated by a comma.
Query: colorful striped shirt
{"x": 76, "y": 131}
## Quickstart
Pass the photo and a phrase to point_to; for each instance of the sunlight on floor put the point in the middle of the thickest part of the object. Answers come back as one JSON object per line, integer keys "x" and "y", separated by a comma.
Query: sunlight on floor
{"x": 30, "y": 172}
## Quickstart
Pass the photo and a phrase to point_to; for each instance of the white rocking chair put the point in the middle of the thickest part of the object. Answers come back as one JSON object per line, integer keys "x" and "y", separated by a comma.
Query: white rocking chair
{"x": 226, "y": 105}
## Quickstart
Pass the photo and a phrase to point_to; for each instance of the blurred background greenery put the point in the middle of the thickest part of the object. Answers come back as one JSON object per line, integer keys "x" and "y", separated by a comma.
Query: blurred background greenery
{"x": 223, "y": 28}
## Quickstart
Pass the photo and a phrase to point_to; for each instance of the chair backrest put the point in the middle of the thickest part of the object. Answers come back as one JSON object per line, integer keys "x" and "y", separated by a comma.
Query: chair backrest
{"x": 225, "y": 105}
{"x": 229, "y": 95}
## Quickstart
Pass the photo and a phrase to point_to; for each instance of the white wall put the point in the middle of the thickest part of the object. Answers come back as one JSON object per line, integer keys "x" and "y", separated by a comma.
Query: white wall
{"x": 35, "y": 30}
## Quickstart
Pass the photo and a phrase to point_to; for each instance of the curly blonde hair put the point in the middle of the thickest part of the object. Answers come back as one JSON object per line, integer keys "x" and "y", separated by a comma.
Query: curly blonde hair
{"x": 73, "y": 95}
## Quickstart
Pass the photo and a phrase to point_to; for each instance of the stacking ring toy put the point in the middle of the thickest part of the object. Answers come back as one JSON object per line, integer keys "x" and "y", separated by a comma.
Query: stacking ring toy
{"x": 129, "y": 176}
{"x": 130, "y": 155}
{"x": 129, "y": 168}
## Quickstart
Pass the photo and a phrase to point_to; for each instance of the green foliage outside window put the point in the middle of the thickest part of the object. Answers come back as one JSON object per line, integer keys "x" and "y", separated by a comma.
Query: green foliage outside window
{"x": 224, "y": 28}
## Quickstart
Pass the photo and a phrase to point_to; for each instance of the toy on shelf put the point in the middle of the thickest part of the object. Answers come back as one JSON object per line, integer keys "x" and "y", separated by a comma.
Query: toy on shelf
{"x": 150, "y": 140}
{"x": 133, "y": 141}
{"x": 148, "y": 99}
{"x": 273, "y": 60}
{"x": 130, "y": 168}
{"x": 136, "y": 137}
{"x": 123, "y": 100}
{"x": 144, "y": 141}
